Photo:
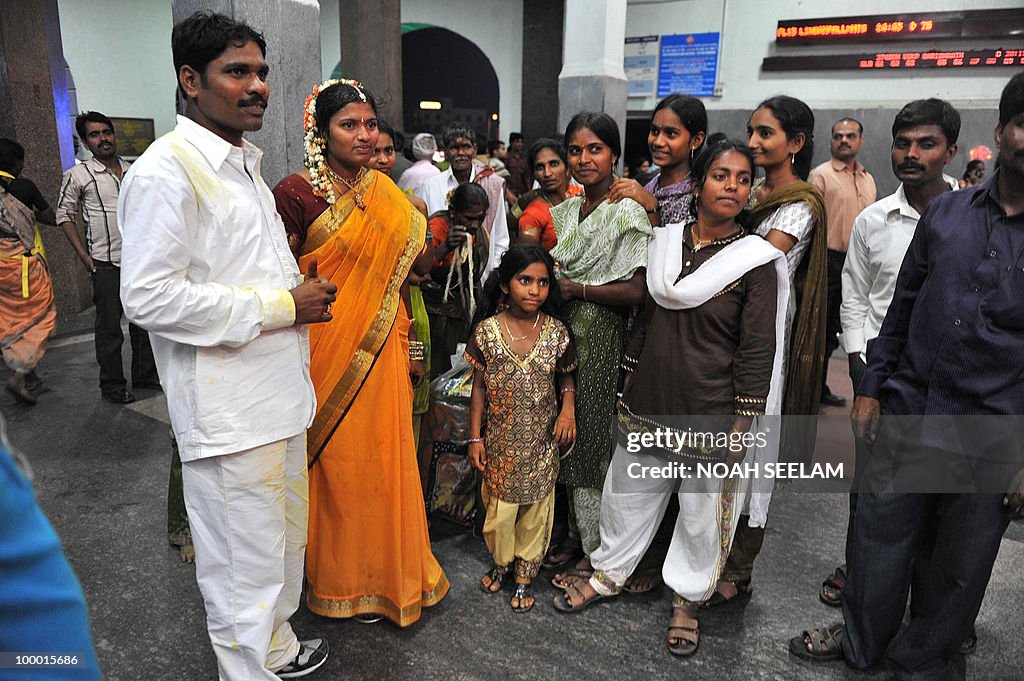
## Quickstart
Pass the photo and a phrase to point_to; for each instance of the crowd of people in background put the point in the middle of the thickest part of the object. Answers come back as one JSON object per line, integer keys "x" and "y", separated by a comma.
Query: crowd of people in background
{"x": 295, "y": 332}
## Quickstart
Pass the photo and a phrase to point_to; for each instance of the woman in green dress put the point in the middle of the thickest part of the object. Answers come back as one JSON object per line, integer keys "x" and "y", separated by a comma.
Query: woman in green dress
{"x": 602, "y": 258}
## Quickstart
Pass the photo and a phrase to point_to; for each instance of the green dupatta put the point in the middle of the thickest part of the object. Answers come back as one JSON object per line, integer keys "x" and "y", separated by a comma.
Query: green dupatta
{"x": 805, "y": 361}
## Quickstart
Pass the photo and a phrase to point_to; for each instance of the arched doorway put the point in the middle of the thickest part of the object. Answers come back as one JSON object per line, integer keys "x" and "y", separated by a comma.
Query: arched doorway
{"x": 439, "y": 65}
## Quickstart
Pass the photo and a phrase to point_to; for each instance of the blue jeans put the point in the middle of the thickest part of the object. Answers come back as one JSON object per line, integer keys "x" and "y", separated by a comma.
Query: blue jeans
{"x": 42, "y": 609}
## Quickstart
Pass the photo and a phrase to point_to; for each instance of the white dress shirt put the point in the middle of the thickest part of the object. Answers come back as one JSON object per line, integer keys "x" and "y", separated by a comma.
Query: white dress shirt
{"x": 880, "y": 238}
{"x": 206, "y": 270}
{"x": 435, "y": 191}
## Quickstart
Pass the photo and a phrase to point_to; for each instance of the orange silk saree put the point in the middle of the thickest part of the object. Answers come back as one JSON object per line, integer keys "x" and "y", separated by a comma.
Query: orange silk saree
{"x": 368, "y": 549}
{"x": 28, "y": 314}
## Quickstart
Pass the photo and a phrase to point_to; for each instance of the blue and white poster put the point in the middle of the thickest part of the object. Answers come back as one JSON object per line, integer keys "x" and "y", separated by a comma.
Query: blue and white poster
{"x": 689, "y": 64}
{"x": 641, "y": 64}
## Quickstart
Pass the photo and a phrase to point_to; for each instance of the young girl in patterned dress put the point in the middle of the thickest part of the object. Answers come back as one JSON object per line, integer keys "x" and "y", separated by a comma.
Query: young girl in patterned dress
{"x": 523, "y": 360}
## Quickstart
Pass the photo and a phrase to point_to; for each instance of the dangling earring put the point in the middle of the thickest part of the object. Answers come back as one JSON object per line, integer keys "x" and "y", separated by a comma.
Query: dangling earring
{"x": 792, "y": 159}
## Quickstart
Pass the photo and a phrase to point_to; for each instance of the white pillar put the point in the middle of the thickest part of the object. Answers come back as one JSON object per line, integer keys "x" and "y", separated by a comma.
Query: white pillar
{"x": 292, "y": 31}
{"x": 593, "y": 77}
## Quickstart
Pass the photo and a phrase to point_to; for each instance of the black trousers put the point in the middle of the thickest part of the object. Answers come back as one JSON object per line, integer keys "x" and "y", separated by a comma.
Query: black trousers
{"x": 944, "y": 545}
{"x": 836, "y": 260}
{"x": 861, "y": 457}
{"x": 106, "y": 295}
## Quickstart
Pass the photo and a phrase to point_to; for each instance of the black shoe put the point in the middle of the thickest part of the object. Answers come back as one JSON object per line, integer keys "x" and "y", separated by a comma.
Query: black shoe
{"x": 312, "y": 655}
{"x": 120, "y": 396}
{"x": 830, "y": 399}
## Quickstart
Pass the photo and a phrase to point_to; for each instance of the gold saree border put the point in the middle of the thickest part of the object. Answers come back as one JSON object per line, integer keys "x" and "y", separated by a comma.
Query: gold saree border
{"x": 377, "y": 604}
{"x": 351, "y": 381}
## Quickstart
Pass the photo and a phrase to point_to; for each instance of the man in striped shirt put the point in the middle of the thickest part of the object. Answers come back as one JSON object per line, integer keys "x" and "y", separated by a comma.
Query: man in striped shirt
{"x": 90, "y": 190}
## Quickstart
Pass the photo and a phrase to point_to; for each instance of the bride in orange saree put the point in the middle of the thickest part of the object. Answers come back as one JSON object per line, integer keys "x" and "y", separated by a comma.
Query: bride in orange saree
{"x": 368, "y": 551}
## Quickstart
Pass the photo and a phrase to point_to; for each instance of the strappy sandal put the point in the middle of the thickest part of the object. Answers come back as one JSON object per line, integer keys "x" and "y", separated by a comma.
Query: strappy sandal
{"x": 563, "y": 601}
{"x": 685, "y": 631}
{"x": 831, "y": 592}
{"x": 744, "y": 590}
{"x": 819, "y": 645}
{"x": 522, "y": 592}
{"x": 562, "y": 579}
{"x": 497, "y": 575}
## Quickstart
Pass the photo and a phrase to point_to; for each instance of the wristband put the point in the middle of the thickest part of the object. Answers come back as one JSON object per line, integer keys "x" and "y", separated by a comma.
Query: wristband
{"x": 473, "y": 440}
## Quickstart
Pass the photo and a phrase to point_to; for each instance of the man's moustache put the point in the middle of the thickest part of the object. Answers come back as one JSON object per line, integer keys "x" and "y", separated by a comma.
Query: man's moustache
{"x": 910, "y": 166}
{"x": 252, "y": 102}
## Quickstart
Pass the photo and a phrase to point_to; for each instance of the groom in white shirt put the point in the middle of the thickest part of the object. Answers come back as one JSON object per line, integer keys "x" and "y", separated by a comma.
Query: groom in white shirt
{"x": 206, "y": 269}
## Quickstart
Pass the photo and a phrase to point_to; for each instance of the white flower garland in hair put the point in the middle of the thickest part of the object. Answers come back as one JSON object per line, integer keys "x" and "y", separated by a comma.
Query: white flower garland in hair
{"x": 315, "y": 142}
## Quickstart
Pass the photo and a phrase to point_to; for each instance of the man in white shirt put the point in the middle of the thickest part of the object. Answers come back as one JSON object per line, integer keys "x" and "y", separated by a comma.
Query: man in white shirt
{"x": 424, "y": 146}
{"x": 924, "y": 137}
{"x": 459, "y": 151}
{"x": 208, "y": 272}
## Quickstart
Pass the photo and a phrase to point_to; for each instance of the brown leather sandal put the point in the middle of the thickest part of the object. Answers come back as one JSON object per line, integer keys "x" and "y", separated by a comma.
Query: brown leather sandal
{"x": 684, "y": 631}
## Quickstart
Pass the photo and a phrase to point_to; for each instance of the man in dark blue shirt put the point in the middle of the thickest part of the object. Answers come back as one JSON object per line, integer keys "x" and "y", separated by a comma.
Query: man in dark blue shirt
{"x": 949, "y": 356}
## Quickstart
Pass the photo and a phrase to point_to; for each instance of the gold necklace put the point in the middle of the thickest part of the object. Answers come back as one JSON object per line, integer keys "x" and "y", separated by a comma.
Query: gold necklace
{"x": 698, "y": 243}
{"x": 357, "y": 195}
{"x": 519, "y": 338}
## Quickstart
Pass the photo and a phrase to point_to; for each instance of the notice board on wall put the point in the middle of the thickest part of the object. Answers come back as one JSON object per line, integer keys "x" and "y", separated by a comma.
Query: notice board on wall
{"x": 641, "y": 64}
{"x": 688, "y": 64}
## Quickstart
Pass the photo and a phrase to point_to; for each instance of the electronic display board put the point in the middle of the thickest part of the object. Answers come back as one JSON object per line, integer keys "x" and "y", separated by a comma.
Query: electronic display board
{"x": 907, "y": 59}
{"x": 996, "y": 23}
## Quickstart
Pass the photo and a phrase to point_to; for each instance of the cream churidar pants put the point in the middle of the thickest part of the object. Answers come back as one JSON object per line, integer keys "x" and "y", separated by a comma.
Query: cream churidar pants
{"x": 632, "y": 509}
{"x": 248, "y": 513}
{"x": 520, "y": 531}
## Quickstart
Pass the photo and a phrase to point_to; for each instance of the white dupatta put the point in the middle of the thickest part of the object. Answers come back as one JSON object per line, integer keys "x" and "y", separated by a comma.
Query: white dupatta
{"x": 664, "y": 262}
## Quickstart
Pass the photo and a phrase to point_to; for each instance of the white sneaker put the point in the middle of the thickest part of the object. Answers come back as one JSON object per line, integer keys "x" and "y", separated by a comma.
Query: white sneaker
{"x": 312, "y": 655}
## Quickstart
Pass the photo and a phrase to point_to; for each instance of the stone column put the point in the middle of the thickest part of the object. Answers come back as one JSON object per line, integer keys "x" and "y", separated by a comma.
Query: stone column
{"x": 371, "y": 51}
{"x": 292, "y": 31}
{"x": 542, "y": 60}
{"x": 34, "y": 110}
{"x": 593, "y": 77}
